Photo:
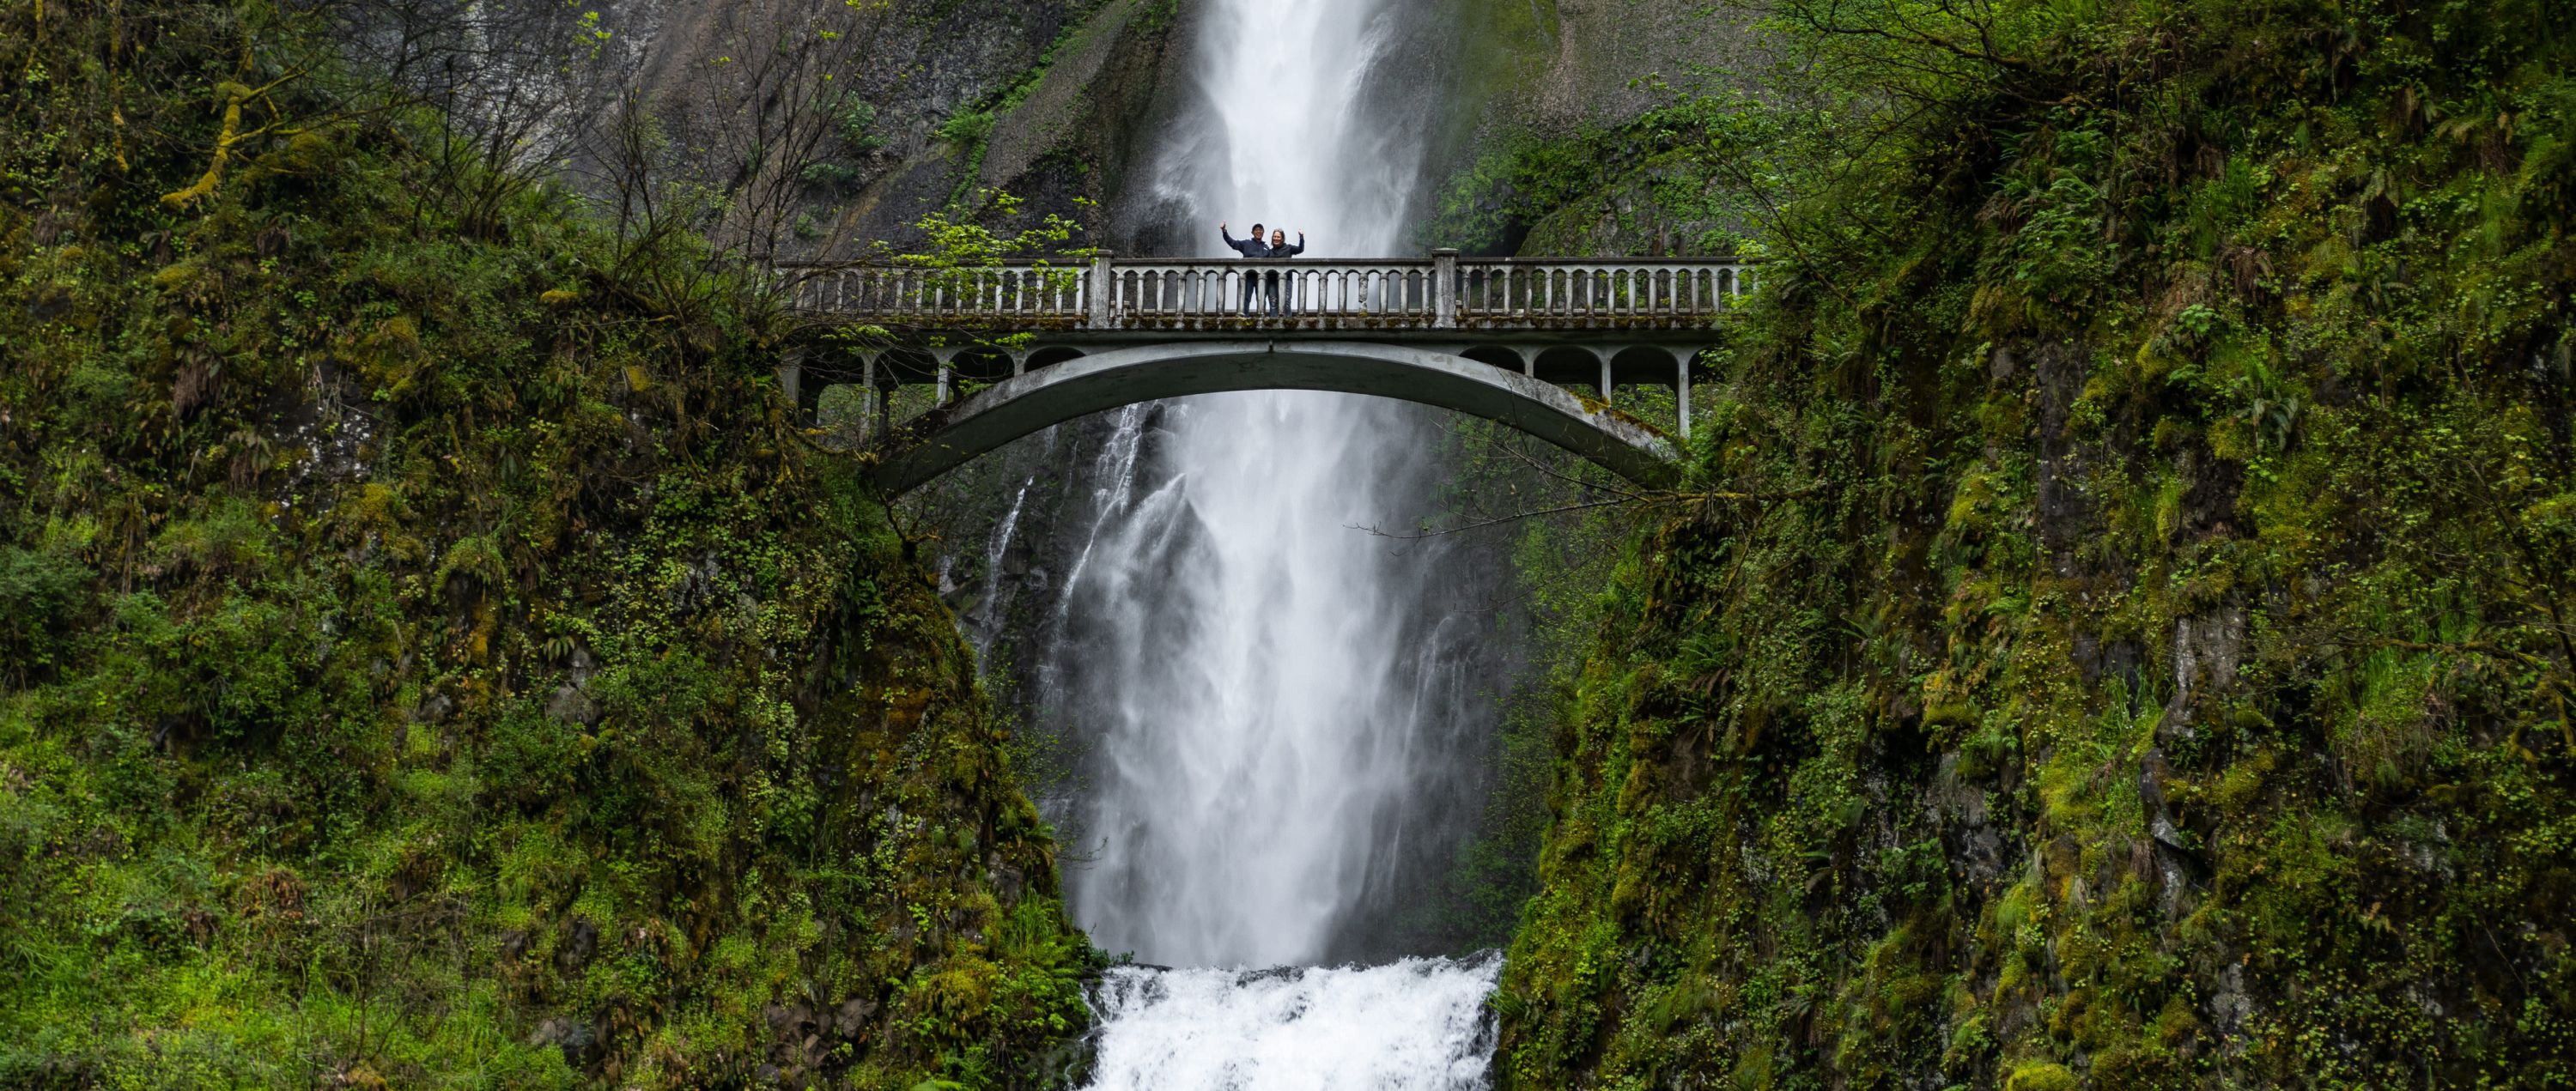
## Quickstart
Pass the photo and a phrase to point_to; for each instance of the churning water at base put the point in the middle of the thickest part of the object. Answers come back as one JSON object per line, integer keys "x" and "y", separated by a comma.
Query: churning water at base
{"x": 1414, "y": 1025}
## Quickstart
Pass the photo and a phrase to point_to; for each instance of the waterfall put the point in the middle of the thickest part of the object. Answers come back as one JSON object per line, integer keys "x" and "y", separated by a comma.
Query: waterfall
{"x": 1250, "y": 713}
{"x": 1272, "y": 702}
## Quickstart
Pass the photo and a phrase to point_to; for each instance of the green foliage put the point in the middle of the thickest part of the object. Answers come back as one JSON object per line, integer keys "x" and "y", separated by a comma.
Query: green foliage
{"x": 1647, "y": 179}
{"x": 966, "y": 126}
{"x": 2142, "y": 658}
{"x": 858, "y": 126}
{"x": 433, "y": 659}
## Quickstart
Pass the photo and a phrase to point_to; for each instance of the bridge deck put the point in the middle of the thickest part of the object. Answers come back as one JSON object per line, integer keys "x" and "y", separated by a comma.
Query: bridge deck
{"x": 1442, "y": 292}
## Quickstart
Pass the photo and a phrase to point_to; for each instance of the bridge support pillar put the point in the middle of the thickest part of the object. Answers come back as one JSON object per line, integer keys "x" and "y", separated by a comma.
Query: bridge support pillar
{"x": 947, "y": 358}
{"x": 1681, "y": 388}
{"x": 791, "y": 374}
{"x": 885, "y": 412}
{"x": 871, "y": 403}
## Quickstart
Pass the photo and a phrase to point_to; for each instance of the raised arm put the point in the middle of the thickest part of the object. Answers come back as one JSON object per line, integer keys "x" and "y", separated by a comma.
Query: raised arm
{"x": 1300, "y": 248}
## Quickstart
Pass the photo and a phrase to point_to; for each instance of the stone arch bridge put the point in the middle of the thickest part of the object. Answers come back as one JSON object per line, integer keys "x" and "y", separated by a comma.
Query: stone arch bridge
{"x": 1500, "y": 338}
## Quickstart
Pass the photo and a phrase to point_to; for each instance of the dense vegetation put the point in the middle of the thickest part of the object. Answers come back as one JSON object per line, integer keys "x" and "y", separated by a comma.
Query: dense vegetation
{"x": 2119, "y": 634}
{"x": 426, "y": 656}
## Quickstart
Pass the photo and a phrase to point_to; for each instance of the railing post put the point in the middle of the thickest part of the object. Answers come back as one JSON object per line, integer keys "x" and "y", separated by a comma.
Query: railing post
{"x": 1104, "y": 285}
{"x": 1444, "y": 289}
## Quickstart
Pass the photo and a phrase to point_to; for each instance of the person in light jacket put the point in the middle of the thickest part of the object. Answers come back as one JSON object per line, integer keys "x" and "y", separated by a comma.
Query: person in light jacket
{"x": 1252, "y": 247}
{"x": 1279, "y": 249}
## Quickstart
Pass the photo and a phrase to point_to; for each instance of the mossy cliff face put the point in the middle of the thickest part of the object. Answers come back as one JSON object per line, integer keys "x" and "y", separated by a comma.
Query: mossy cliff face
{"x": 2118, "y": 635}
{"x": 426, "y": 658}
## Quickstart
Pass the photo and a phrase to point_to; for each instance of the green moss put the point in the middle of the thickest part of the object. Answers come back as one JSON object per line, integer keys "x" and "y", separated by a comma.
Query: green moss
{"x": 2142, "y": 667}
{"x": 444, "y": 676}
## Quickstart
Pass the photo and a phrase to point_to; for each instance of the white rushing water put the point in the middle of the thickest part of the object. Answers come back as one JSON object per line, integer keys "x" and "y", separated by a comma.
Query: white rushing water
{"x": 1261, "y": 687}
{"x": 1258, "y": 741}
{"x": 1413, "y": 1024}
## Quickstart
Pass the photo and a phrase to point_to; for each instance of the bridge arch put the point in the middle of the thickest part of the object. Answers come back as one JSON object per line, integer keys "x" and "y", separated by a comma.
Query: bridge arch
{"x": 952, "y": 435}
{"x": 1053, "y": 355}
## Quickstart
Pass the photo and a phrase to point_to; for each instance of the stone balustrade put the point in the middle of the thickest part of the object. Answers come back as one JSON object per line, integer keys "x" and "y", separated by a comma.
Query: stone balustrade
{"x": 1443, "y": 292}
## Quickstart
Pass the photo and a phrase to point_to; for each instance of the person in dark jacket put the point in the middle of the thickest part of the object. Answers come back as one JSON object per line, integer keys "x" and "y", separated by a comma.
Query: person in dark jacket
{"x": 1279, "y": 249}
{"x": 1252, "y": 247}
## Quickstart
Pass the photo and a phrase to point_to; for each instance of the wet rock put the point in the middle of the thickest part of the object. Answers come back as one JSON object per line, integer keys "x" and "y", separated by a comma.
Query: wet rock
{"x": 581, "y": 940}
{"x": 570, "y": 705}
{"x": 851, "y": 1020}
{"x": 2230, "y": 1005}
{"x": 432, "y": 709}
{"x": 2206, "y": 651}
{"x": 578, "y": 1041}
